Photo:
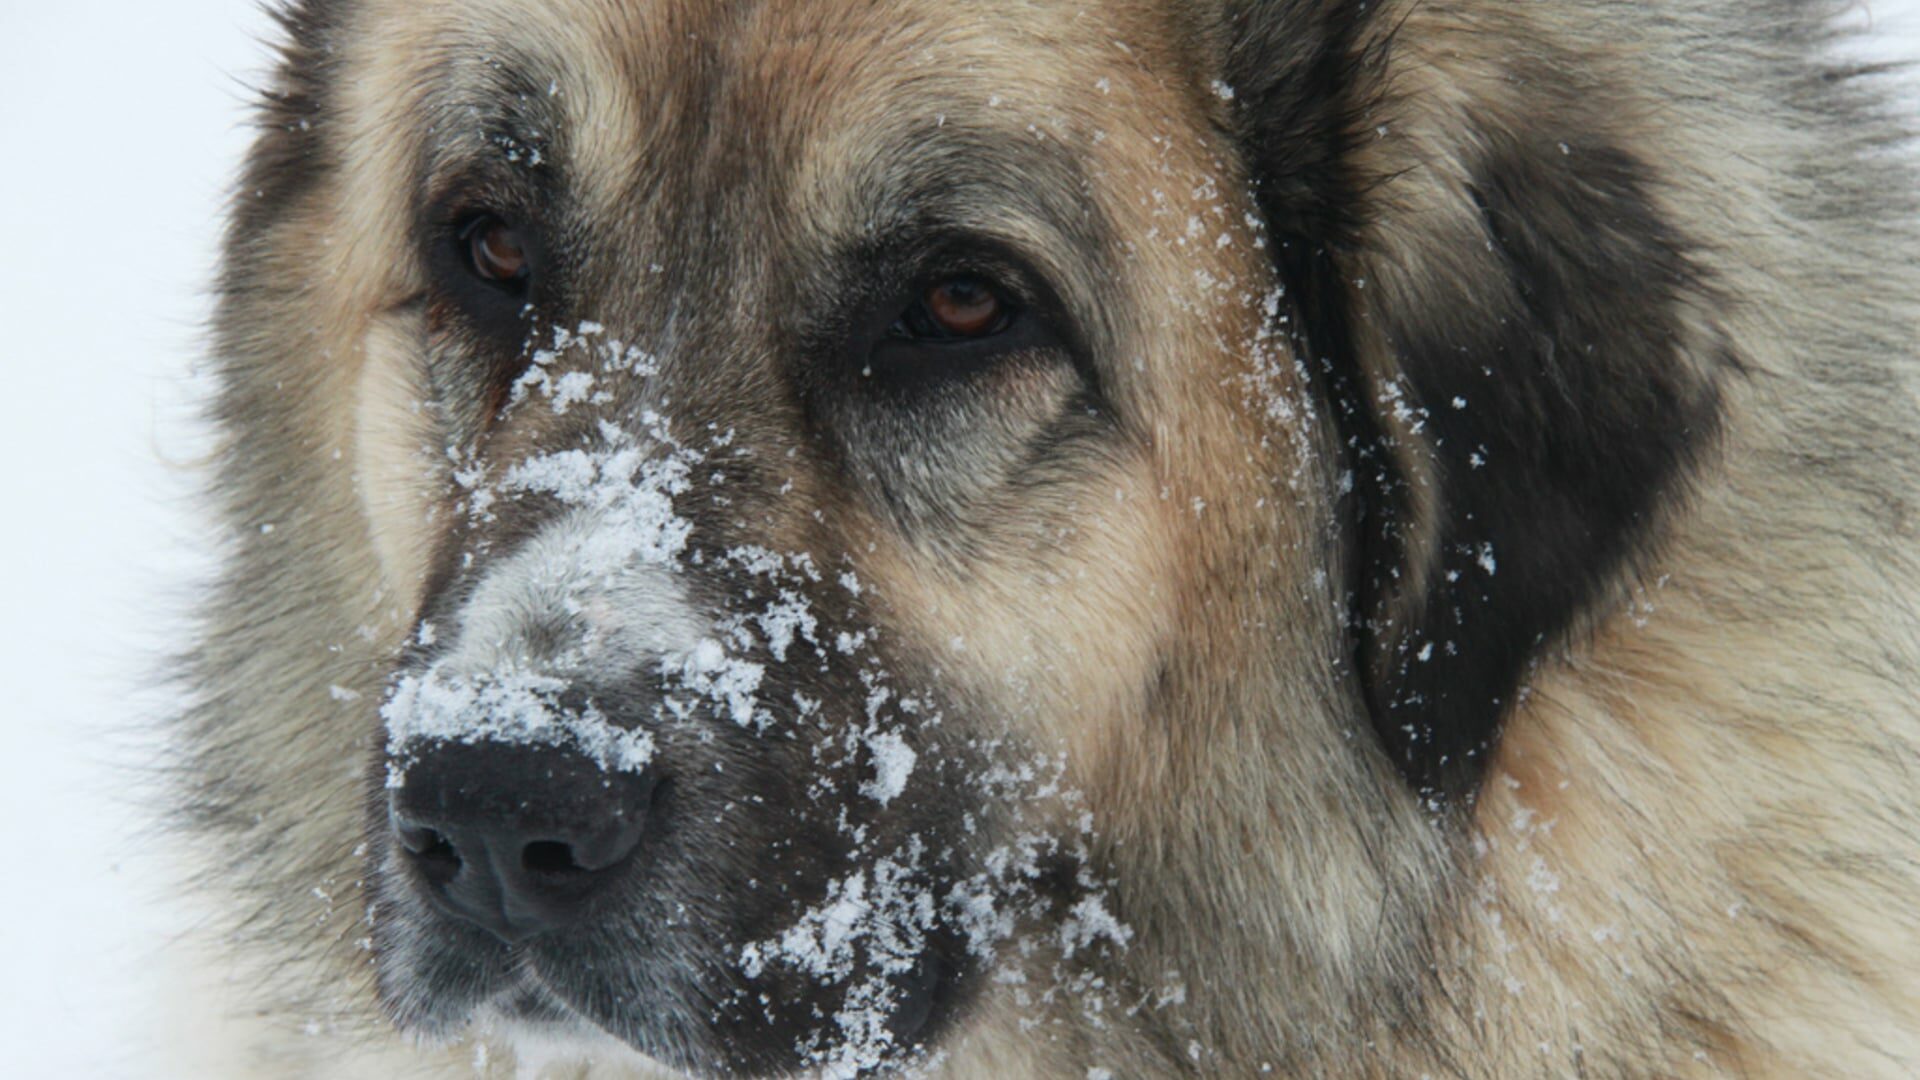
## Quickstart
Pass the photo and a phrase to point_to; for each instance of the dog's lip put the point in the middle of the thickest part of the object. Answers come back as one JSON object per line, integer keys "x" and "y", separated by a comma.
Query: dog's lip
{"x": 532, "y": 1005}
{"x": 529, "y": 1010}
{"x": 926, "y": 993}
{"x": 529, "y": 1001}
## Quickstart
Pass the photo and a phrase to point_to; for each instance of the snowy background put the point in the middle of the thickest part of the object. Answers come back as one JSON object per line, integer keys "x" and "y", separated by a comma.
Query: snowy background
{"x": 120, "y": 124}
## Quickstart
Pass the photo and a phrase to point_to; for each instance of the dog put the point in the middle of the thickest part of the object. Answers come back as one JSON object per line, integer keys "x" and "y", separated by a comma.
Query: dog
{"x": 1300, "y": 538}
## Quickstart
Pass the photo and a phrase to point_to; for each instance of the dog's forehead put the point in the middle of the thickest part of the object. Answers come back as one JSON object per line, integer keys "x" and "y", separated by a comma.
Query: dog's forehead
{"x": 802, "y": 86}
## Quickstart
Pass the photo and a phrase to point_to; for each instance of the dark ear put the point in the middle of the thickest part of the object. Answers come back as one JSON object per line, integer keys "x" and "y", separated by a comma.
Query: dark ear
{"x": 287, "y": 157}
{"x": 1507, "y": 327}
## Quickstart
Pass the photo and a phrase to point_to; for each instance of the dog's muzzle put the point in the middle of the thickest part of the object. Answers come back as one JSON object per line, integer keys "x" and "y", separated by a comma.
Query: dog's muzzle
{"x": 514, "y": 800}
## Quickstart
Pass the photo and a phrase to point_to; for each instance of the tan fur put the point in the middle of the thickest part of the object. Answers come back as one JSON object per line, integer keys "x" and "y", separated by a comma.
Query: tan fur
{"x": 1696, "y": 851}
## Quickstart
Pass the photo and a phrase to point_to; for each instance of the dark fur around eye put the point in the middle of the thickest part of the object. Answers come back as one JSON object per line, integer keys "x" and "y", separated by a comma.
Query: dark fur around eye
{"x": 490, "y": 269}
{"x": 951, "y": 326}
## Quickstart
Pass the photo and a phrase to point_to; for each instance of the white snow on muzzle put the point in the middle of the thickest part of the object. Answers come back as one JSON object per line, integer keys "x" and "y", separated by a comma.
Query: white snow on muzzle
{"x": 596, "y": 599}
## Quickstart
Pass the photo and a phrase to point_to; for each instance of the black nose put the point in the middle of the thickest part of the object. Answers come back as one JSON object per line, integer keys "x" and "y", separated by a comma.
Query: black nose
{"x": 517, "y": 839}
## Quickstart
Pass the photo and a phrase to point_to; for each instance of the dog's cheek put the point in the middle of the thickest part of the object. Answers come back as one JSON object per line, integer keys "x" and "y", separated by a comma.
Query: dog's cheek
{"x": 396, "y": 472}
{"x": 1055, "y": 630}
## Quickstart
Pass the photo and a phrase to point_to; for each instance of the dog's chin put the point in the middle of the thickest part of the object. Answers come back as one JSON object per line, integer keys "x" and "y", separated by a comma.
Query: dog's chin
{"x": 540, "y": 1033}
{"x": 534, "y": 1029}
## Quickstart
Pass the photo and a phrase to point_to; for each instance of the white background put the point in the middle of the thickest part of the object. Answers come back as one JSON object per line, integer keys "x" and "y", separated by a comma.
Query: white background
{"x": 120, "y": 125}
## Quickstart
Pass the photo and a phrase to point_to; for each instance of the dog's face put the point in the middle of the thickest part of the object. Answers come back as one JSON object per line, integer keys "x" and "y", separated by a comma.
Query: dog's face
{"x": 888, "y": 515}
{"x": 809, "y": 417}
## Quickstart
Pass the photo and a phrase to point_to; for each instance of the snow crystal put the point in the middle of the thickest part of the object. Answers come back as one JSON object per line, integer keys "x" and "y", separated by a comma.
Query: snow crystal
{"x": 707, "y": 656}
{"x": 1089, "y": 921}
{"x": 570, "y": 388}
{"x": 714, "y": 674}
{"x": 893, "y": 762}
{"x": 784, "y": 620}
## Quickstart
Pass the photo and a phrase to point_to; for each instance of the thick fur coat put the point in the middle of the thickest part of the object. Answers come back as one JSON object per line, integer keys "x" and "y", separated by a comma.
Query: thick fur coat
{"x": 1306, "y": 538}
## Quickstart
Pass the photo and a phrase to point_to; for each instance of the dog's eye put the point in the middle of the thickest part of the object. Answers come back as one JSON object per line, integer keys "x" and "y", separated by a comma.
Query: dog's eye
{"x": 496, "y": 252}
{"x": 963, "y": 308}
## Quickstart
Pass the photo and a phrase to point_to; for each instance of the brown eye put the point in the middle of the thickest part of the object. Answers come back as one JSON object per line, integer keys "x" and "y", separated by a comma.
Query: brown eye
{"x": 957, "y": 309}
{"x": 496, "y": 253}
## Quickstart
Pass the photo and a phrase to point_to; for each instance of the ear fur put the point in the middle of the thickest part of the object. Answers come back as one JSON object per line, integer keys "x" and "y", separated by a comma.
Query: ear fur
{"x": 1513, "y": 339}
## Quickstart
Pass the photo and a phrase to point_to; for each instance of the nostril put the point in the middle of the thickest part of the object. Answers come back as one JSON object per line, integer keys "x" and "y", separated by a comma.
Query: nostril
{"x": 549, "y": 857}
{"x": 430, "y": 850}
{"x": 416, "y": 838}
